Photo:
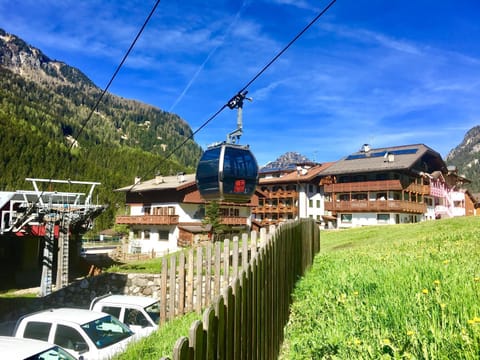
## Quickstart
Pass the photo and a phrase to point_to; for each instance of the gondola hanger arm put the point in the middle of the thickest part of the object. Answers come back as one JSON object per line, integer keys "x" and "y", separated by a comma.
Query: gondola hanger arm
{"x": 237, "y": 102}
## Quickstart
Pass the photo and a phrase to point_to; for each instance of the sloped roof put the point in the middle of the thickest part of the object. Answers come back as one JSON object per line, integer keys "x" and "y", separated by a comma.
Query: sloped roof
{"x": 161, "y": 183}
{"x": 402, "y": 158}
{"x": 297, "y": 176}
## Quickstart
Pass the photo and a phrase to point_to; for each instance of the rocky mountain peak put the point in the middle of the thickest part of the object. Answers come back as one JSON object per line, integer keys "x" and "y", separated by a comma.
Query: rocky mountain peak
{"x": 469, "y": 145}
{"x": 29, "y": 62}
{"x": 287, "y": 160}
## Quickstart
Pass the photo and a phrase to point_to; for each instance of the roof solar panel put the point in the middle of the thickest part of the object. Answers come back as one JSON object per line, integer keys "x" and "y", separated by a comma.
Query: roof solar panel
{"x": 381, "y": 153}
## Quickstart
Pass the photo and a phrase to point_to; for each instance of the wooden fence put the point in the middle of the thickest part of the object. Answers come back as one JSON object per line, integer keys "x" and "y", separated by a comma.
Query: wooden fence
{"x": 246, "y": 319}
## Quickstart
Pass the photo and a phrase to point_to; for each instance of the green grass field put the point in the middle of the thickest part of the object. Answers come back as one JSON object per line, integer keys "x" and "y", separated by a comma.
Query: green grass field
{"x": 392, "y": 292}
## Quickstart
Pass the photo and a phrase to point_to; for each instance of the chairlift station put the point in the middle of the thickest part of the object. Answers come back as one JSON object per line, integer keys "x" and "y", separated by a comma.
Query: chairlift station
{"x": 53, "y": 216}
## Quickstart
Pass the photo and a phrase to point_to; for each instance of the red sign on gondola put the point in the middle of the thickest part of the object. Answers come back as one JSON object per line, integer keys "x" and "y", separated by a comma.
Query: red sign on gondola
{"x": 239, "y": 186}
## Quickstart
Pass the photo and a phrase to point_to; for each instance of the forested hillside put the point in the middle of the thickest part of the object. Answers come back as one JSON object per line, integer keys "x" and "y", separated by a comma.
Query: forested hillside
{"x": 44, "y": 107}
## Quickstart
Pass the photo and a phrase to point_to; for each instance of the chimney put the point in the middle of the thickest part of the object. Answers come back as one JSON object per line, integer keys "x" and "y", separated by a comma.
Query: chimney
{"x": 181, "y": 177}
{"x": 389, "y": 157}
{"x": 365, "y": 148}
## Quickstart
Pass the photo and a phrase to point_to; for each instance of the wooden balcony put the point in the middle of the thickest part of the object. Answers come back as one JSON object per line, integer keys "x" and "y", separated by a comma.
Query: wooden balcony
{"x": 378, "y": 185}
{"x": 419, "y": 189}
{"x": 364, "y": 186}
{"x": 227, "y": 220}
{"x": 279, "y": 209}
{"x": 281, "y": 194}
{"x": 376, "y": 206}
{"x": 147, "y": 220}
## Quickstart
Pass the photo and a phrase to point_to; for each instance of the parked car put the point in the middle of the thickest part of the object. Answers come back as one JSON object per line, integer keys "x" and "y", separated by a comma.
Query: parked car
{"x": 21, "y": 349}
{"x": 91, "y": 334}
{"x": 140, "y": 313}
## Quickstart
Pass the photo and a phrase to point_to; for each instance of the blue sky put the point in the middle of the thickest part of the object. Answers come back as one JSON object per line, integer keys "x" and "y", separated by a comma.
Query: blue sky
{"x": 384, "y": 72}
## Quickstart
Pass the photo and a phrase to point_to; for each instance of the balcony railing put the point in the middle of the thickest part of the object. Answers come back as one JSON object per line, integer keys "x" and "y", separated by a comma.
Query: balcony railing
{"x": 278, "y": 209}
{"x": 375, "y": 206}
{"x": 147, "y": 219}
{"x": 280, "y": 194}
{"x": 233, "y": 220}
{"x": 419, "y": 189}
{"x": 378, "y": 185}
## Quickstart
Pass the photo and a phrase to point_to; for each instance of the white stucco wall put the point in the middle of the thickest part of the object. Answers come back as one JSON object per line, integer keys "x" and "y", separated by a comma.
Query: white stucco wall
{"x": 364, "y": 219}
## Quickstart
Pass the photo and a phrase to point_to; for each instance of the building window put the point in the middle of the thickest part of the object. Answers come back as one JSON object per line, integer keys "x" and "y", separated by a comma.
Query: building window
{"x": 346, "y": 218}
{"x": 310, "y": 203}
{"x": 359, "y": 196}
{"x": 163, "y": 235}
{"x": 358, "y": 178}
{"x": 146, "y": 235}
{"x": 383, "y": 218}
{"x": 344, "y": 197}
{"x": 146, "y": 210}
{"x": 382, "y": 196}
{"x": 318, "y": 204}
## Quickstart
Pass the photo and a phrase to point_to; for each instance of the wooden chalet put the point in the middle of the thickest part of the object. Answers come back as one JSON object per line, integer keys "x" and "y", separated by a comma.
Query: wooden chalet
{"x": 285, "y": 195}
{"x": 167, "y": 212}
{"x": 388, "y": 186}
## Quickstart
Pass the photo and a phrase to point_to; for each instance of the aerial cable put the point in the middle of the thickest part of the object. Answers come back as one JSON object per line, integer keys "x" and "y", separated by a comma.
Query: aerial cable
{"x": 104, "y": 91}
{"x": 92, "y": 111}
{"x": 241, "y": 93}
{"x": 287, "y": 46}
{"x": 210, "y": 54}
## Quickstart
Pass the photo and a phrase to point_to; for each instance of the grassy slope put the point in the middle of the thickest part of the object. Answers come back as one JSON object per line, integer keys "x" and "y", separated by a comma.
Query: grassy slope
{"x": 401, "y": 291}
{"x": 161, "y": 343}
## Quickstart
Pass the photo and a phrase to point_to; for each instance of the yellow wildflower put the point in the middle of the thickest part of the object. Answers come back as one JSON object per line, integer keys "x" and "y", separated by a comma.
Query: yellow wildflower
{"x": 445, "y": 262}
{"x": 410, "y": 333}
{"x": 355, "y": 293}
{"x": 425, "y": 291}
{"x": 476, "y": 279}
{"x": 436, "y": 282}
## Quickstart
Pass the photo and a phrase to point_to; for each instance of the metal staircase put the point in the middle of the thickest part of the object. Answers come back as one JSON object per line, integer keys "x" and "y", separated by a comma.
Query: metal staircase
{"x": 63, "y": 251}
{"x": 47, "y": 262}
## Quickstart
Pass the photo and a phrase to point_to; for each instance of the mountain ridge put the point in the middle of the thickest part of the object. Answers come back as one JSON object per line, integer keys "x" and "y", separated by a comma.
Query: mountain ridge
{"x": 466, "y": 157}
{"x": 50, "y": 131}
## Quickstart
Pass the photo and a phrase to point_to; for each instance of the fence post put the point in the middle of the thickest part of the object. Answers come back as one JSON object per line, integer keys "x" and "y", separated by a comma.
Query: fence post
{"x": 208, "y": 274}
{"x": 218, "y": 267}
{"x": 173, "y": 287}
{"x": 181, "y": 283}
{"x": 226, "y": 262}
{"x": 220, "y": 312}
{"x": 199, "y": 282}
{"x": 163, "y": 293}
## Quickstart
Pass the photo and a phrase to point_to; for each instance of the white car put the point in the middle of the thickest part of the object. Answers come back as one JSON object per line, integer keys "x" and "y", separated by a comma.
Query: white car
{"x": 140, "y": 313}
{"x": 90, "y": 334}
{"x": 21, "y": 349}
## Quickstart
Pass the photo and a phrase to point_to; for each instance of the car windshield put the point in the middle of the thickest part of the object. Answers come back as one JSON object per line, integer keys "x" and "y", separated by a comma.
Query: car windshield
{"x": 106, "y": 331}
{"x": 54, "y": 353}
{"x": 154, "y": 311}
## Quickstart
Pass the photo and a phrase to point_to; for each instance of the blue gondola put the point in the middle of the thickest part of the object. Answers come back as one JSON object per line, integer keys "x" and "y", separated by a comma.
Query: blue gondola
{"x": 227, "y": 172}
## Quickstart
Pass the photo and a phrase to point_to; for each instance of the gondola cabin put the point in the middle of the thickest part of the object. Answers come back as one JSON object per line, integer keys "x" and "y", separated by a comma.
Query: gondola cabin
{"x": 227, "y": 172}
